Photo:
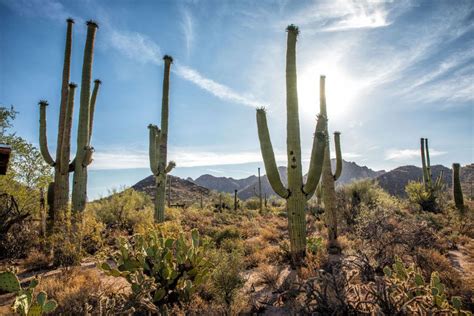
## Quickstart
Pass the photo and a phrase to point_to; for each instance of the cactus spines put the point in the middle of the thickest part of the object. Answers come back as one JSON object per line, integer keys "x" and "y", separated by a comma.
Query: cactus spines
{"x": 84, "y": 150}
{"x": 297, "y": 193}
{"x": 457, "y": 190}
{"x": 159, "y": 146}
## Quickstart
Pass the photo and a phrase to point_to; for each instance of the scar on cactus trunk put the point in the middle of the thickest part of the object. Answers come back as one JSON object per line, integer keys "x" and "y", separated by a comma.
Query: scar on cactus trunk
{"x": 457, "y": 190}
{"x": 297, "y": 192}
{"x": 159, "y": 146}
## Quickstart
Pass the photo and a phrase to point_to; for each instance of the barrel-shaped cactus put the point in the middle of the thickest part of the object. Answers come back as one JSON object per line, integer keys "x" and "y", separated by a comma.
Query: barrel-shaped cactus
{"x": 457, "y": 190}
{"x": 59, "y": 190}
{"x": 297, "y": 192}
{"x": 158, "y": 148}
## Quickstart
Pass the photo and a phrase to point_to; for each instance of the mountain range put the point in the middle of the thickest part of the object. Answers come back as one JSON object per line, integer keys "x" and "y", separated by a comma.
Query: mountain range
{"x": 394, "y": 181}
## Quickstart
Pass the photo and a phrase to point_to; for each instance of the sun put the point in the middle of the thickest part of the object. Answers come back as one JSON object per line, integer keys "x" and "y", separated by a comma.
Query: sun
{"x": 341, "y": 90}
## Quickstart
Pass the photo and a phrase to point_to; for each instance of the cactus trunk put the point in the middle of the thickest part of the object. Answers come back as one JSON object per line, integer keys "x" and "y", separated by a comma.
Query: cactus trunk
{"x": 84, "y": 150}
{"x": 159, "y": 147}
{"x": 297, "y": 193}
{"x": 235, "y": 200}
{"x": 457, "y": 190}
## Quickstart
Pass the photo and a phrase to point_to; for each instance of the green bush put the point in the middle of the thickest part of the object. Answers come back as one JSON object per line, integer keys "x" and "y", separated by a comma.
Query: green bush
{"x": 127, "y": 210}
{"x": 425, "y": 199}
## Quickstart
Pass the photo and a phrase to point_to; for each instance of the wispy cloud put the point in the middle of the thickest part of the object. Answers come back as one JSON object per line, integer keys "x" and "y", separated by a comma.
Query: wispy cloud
{"x": 121, "y": 159}
{"x": 408, "y": 154}
{"x": 51, "y": 9}
{"x": 187, "y": 27}
{"x": 342, "y": 15}
{"x": 219, "y": 90}
{"x": 136, "y": 46}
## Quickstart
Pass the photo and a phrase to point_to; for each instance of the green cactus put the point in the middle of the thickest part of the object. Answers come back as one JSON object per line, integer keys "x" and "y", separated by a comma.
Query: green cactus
{"x": 457, "y": 190}
{"x": 165, "y": 271}
{"x": 328, "y": 179}
{"x": 259, "y": 193}
{"x": 84, "y": 132}
{"x": 158, "y": 148}
{"x": 425, "y": 163}
{"x": 26, "y": 302}
{"x": 297, "y": 193}
{"x": 62, "y": 164}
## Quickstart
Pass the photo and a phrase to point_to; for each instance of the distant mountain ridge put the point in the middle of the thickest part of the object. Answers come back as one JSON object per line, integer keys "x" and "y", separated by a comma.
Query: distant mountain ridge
{"x": 247, "y": 187}
{"x": 394, "y": 182}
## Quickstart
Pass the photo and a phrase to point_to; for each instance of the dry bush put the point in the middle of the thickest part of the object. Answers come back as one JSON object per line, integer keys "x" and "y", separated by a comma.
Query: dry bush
{"x": 268, "y": 275}
{"x": 37, "y": 260}
{"x": 76, "y": 290}
{"x": 270, "y": 234}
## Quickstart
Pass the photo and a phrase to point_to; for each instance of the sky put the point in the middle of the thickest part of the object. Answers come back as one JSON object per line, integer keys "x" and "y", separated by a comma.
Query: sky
{"x": 395, "y": 71}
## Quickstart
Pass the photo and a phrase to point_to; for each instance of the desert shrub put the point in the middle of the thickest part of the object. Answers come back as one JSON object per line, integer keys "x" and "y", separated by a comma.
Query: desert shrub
{"x": 425, "y": 198}
{"x": 20, "y": 240}
{"x": 80, "y": 291}
{"x": 386, "y": 234}
{"x": 230, "y": 232}
{"x": 268, "y": 275}
{"x": 126, "y": 210}
{"x": 252, "y": 204}
{"x": 65, "y": 253}
{"x": 37, "y": 260}
{"x": 162, "y": 271}
{"x": 226, "y": 279}
{"x": 92, "y": 231}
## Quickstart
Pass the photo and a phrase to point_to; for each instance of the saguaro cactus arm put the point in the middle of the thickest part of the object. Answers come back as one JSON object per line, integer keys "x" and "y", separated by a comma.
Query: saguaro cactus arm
{"x": 337, "y": 143}
{"x": 428, "y": 164}
{"x": 268, "y": 155}
{"x": 95, "y": 91}
{"x": 43, "y": 137}
{"x": 170, "y": 166}
{"x": 317, "y": 157}
{"x": 423, "y": 161}
{"x": 153, "y": 148}
{"x": 66, "y": 143}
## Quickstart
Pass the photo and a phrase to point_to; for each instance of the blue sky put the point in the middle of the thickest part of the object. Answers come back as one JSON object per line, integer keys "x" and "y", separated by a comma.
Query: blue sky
{"x": 396, "y": 71}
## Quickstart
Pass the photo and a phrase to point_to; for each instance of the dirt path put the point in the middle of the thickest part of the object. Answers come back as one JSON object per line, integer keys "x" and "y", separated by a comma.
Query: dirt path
{"x": 462, "y": 259}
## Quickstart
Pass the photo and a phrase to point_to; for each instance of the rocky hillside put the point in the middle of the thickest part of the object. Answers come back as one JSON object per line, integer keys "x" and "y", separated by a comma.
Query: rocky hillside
{"x": 223, "y": 184}
{"x": 182, "y": 191}
{"x": 394, "y": 181}
{"x": 248, "y": 186}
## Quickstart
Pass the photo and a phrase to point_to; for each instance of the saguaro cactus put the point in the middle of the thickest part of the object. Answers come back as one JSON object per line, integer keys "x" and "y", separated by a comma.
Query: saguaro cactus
{"x": 259, "y": 193}
{"x": 58, "y": 191}
{"x": 328, "y": 180}
{"x": 84, "y": 149}
{"x": 297, "y": 192}
{"x": 457, "y": 190}
{"x": 60, "y": 186}
{"x": 159, "y": 147}
{"x": 425, "y": 162}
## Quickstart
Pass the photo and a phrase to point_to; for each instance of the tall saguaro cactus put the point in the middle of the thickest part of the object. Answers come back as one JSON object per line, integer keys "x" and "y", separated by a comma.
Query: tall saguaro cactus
{"x": 457, "y": 190}
{"x": 58, "y": 192}
{"x": 328, "y": 180}
{"x": 159, "y": 147}
{"x": 84, "y": 149}
{"x": 297, "y": 192}
{"x": 425, "y": 162}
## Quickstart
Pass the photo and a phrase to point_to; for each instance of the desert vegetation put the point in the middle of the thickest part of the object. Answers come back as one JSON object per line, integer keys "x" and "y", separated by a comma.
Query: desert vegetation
{"x": 313, "y": 248}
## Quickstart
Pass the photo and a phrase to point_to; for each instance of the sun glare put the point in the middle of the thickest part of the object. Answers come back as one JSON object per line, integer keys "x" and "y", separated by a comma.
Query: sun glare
{"x": 341, "y": 90}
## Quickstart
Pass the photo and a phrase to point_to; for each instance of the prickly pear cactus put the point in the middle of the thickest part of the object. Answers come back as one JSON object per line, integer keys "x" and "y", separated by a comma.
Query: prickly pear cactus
{"x": 26, "y": 302}
{"x": 9, "y": 282}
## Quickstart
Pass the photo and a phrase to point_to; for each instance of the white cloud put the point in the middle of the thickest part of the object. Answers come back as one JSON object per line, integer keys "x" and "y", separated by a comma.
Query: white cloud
{"x": 408, "y": 154}
{"x": 122, "y": 159}
{"x": 51, "y": 9}
{"x": 219, "y": 90}
{"x": 187, "y": 26}
{"x": 135, "y": 46}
